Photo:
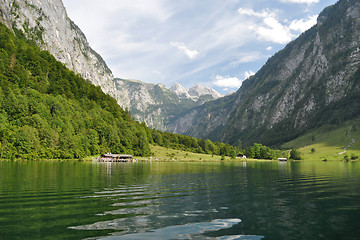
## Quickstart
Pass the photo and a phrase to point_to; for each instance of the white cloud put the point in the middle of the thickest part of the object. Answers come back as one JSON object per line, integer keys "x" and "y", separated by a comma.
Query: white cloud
{"x": 181, "y": 46}
{"x": 269, "y": 48}
{"x": 303, "y": 24}
{"x": 270, "y": 29}
{"x": 246, "y": 57}
{"x": 227, "y": 81}
{"x": 248, "y": 74}
{"x": 301, "y": 1}
{"x": 136, "y": 37}
{"x": 250, "y": 12}
{"x": 274, "y": 31}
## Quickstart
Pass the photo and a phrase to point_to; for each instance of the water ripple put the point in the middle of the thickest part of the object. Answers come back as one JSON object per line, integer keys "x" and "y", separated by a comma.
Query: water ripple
{"x": 189, "y": 231}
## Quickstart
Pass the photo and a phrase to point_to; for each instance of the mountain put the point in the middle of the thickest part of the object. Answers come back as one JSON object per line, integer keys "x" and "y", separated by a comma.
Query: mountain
{"x": 47, "y": 23}
{"x": 156, "y": 105}
{"x": 197, "y": 91}
{"x": 313, "y": 81}
{"x": 48, "y": 111}
{"x": 180, "y": 91}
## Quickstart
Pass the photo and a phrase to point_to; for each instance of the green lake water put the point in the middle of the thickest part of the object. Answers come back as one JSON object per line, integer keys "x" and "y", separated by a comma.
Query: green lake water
{"x": 247, "y": 201}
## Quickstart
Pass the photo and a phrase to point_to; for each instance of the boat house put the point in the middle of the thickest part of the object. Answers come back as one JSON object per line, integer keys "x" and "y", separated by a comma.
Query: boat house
{"x": 109, "y": 157}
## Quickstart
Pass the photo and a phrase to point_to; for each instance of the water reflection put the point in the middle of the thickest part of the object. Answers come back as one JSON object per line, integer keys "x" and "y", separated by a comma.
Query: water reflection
{"x": 268, "y": 195}
{"x": 71, "y": 200}
{"x": 189, "y": 231}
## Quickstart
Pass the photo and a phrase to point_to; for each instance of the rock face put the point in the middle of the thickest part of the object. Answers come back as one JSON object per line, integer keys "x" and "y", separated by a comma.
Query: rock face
{"x": 195, "y": 92}
{"x": 180, "y": 91}
{"x": 156, "y": 105}
{"x": 46, "y": 22}
{"x": 314, "y": 81}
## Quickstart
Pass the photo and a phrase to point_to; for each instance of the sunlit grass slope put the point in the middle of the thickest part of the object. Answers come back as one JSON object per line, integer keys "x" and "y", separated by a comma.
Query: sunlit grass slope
{"x": 329, "y": 142}
{"x": 168, "y": 154}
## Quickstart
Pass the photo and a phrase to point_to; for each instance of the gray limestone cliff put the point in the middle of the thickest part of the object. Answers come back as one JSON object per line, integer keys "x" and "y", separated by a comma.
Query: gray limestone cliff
{"x": 46, "y": 22}
{"x": 195, "y": 92}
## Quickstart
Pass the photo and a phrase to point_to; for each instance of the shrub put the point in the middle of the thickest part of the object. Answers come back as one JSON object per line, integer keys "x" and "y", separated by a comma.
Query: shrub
{"x": 295, "y": 154}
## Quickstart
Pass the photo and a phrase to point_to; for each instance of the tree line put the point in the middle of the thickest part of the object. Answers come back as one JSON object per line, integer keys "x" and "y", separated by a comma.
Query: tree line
{"x": 259, "y": 151}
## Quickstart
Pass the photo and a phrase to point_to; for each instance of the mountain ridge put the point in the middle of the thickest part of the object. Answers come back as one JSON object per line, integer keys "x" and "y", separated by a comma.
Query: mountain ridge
{"x": 155, "y": 104}
{"x": 314, "y": 80}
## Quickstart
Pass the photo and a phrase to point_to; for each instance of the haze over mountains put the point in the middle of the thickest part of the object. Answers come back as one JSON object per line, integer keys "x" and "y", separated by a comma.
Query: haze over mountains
{"x": 313, "y": 81}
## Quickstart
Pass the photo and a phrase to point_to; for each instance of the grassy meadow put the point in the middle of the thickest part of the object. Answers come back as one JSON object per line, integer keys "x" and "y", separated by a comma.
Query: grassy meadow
{"x": 171, "y": 155}
{"x": 329, "y": 143}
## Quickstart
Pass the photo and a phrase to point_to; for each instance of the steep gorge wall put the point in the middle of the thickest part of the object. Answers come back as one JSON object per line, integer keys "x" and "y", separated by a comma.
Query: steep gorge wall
{"x": 46, "y": 22}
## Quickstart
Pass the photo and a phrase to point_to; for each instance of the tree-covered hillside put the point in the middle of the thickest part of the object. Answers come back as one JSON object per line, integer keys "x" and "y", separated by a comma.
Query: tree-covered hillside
{"x": 47, "y": 111}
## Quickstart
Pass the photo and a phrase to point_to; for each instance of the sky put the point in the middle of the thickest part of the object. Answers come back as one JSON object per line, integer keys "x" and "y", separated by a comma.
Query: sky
{"x": 214, "y": 43}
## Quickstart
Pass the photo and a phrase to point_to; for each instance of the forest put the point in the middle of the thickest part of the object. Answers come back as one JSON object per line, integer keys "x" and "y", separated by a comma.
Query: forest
{"x": 49, "y": 112}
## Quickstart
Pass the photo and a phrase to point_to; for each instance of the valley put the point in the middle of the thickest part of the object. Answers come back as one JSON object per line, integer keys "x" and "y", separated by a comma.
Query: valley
{"x": 310, "y": 85}
{"x": 277, "y": 159}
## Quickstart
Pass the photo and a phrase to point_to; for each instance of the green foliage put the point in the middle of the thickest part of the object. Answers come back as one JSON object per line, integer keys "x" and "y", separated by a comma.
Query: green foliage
{"x": 295, "y": 154}
{"x": 258, "y": 151}
{"x": 186, "y": 143}
{"x": 47, "y": 111}
{"x": 353, "y": 156}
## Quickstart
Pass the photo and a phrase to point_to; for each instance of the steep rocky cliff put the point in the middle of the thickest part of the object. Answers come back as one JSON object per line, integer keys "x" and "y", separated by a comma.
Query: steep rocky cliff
{"x": 315, "y": 80}
{"x": 46, "y": 22}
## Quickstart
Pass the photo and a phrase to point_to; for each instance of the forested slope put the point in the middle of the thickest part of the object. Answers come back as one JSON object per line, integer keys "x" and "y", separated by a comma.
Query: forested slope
{"x": 47, "y": 111}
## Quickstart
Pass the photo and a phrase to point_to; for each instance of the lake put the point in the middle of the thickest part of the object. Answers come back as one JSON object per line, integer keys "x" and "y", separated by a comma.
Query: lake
{"x": 231, "y": 200}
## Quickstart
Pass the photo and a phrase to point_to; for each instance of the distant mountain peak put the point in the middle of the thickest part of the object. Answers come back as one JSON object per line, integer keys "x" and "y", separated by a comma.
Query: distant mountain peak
{"x": 195, "y": 92}
{"x": 180, "y": 91}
